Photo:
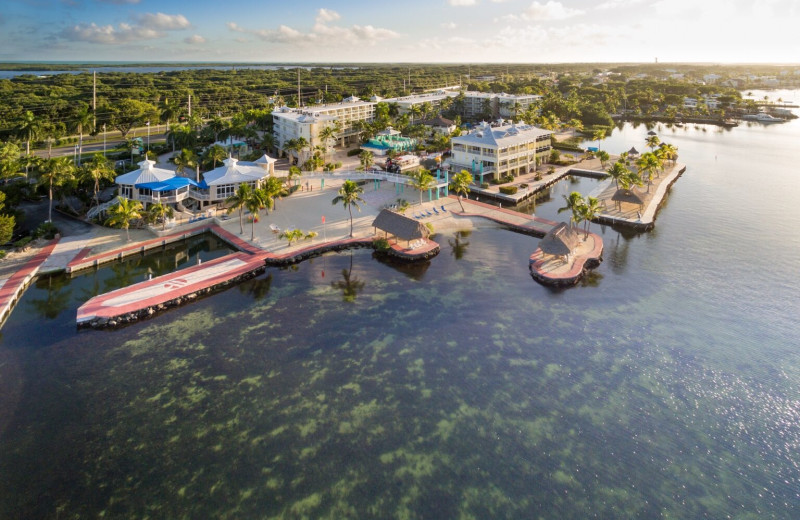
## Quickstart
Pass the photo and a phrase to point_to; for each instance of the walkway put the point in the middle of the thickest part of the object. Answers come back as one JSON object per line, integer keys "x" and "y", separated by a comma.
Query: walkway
{"x": 12, "y": 287}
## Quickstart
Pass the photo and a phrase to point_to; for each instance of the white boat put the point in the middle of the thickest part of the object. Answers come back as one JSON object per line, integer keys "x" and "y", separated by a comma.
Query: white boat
{"x": 762, "y": 117}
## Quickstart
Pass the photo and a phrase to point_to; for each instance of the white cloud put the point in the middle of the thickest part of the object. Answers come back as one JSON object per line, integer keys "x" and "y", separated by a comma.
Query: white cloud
{"x": 322, "y": 33}
{"x": 167, "y": 22}
{"x": 326, "y": 15}
{"x": 148, "y": 27}
{"x": 194, "y": 39}
{"x": 448, "y": 25}
{"x": 549, "y": 11}
{"x": 461, "y": 3}
{"x": 614, "y": 4}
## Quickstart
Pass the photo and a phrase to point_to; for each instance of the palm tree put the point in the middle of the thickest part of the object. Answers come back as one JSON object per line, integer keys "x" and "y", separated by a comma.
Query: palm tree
{"x": 422, "y": 180}
{"x": 617, "y": 171}
{"x": 28, "y": 128}
{"x": 647, "y": 165}
{"x": 216, "y": 153}
{"x": 81, "y": 120}
{"x": 218, "y": 126}
{"x": 291, "y": 235}
{"x": 238, "y": 201}
{"x": 123, "y": 213}
{"x": 598, "y": 135}
{"x": 349, "y": 196}
{"x": 366, "y": 158}
{"x": 256, "y": 200}
{"x": 169, "y": 111}
{"x": 653, "y": 141}
{"x": 159, "y": 212}
{"x": 9, "y": 159}
{"x": 328, "y": 133}
{"x": 414, "y": 111}
{"x": 460, "y": 184}
{"x": 574, "y": 204}
{"x": 97, "y": 169}
{"x": 182, "y": 136}
{"x": 272, "y": 188}
{"x": 289, "y": 146}
{"x": 294, "y": 172}
{"x": 670, "y": 152}
{"x": 187, "y": 159}
{"x": 603, "y": 156}
{"x": 589, "y": 210}
{"x": 268, "y": 142}
{"x": 55, "y": 172}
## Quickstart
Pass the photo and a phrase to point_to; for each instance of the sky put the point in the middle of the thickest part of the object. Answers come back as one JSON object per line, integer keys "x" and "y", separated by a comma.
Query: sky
{"x": 445, "y": 31}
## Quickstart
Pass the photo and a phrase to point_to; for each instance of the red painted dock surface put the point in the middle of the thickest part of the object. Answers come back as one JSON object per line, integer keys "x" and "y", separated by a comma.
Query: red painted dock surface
{"x": 13, "y": 286}
{"x": 169, "y": 287}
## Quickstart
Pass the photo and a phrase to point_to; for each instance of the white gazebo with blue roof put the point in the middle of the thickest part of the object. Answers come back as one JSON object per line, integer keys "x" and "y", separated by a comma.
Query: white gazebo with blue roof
{"x": 151, "y": 185}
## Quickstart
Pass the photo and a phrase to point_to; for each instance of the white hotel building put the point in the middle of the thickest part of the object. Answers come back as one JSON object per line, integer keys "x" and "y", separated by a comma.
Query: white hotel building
{"x": 497, "y": 151}
{"x": 308, "y": 122}
{"x": 475, "y": 103}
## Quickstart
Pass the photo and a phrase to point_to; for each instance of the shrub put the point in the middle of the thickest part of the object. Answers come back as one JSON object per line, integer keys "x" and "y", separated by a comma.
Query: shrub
{"x": 508, "y": 190}
{"x": 507, "y": 178}
{"x": 380, "y": 244}
{"x": 47, "y": 230}
{"x": 523, "y": 185}
{"x": 23, "y": 242}
{"x": 430, "y": 227}
{"x": 3, "y": 254}
{"x": 353, "y": 152}
{"x": 484, "y": 185}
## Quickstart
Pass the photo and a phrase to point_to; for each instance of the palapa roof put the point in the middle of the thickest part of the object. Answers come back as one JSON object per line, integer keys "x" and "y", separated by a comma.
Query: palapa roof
{"x": 633, "y": 151}
{"x": 400, "y": 226}
{"x": 439, "y": 121}
{"x": 559, "y": 241}
{"x": 632, "y": 195}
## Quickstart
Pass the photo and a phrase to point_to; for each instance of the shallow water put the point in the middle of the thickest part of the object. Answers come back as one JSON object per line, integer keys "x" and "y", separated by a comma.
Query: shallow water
{"x": 665, "y": 385}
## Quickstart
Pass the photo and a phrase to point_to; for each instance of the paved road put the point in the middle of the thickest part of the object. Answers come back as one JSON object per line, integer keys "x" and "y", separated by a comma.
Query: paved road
{"x": 111, "y": 143}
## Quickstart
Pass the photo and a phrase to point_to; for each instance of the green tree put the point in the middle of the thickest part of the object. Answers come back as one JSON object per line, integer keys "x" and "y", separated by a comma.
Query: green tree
{"x": 123, "y": 213}
{"x": 604, "y": 157}
{"x": 294, "y": 173}
{"x": 460, "y": 184}
{"x": 214, "y": 154}
{"x": 589, "y": 210}
{"x": 81, "y": 120}
{"x": 28, "y": 129}
{"x": 9, "y": 159}
{"x": 617, "y": 171}
{"x": 238, "y": 201}
{"x": 7, "y": 222}
{"x": 96, "y": 170}
{"x": 272, "y": 187}
{"x": 182, "y": 136}
{"x": 291, "y": 235}
{"x": 159, "y": 212}
{"x": 256, "y": 200}
{"x": 366, "y": 159}
{"x": 422, "y": 180}
{"x": 55, "y": 172}
{"x": 127, "y": 113}
{"x": 186, "y": 160}
{"x": 653, "y": 141}
{"x": 574, "y": 204}
{"x": 349, "y": 196}
{"x": 598, "y": 135}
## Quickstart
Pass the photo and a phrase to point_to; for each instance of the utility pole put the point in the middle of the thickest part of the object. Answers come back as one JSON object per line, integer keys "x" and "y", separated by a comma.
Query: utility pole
{"x": 104, "y": 139}
{"x": 298, "y": 88}
{"x": 94, "y": 100}
{"x": 190, "y": 105}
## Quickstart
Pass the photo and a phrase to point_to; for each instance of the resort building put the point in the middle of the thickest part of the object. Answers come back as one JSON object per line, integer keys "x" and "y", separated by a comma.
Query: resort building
{"x": 474, "y": 104}
{"x": 500, "y": 150}
{"x": 150, "y": 185}
{"x": 389, "y": 139}
{"x": 220, "y": 183}
{"x": 308, "y": 122}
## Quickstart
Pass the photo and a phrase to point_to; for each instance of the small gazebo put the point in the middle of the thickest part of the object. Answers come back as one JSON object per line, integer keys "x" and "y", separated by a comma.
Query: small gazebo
{"x": 400, "y": 226}
{"x": 560, "y": 241}
{"x": 633, "y": 152}
{"x": 631, "y": 196}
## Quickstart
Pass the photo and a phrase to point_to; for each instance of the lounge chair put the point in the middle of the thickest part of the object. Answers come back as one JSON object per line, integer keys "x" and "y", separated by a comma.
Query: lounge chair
{"x": 274, "y": 228}
{"x": 444, "y": 210}
{"x": 435, "y": 211}
{"x": 429, "y": 212}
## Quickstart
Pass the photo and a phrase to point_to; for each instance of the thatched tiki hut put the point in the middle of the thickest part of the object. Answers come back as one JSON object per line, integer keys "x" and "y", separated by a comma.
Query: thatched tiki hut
{"x": 631, "y": 196}
{"x": 633, "y": 153}
{"x": 400, "y": 226}
{"x": 560, "y": 241}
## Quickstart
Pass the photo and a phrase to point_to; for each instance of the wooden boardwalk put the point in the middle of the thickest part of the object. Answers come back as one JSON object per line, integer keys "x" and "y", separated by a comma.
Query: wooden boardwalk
{"x": 12, "y": 287}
